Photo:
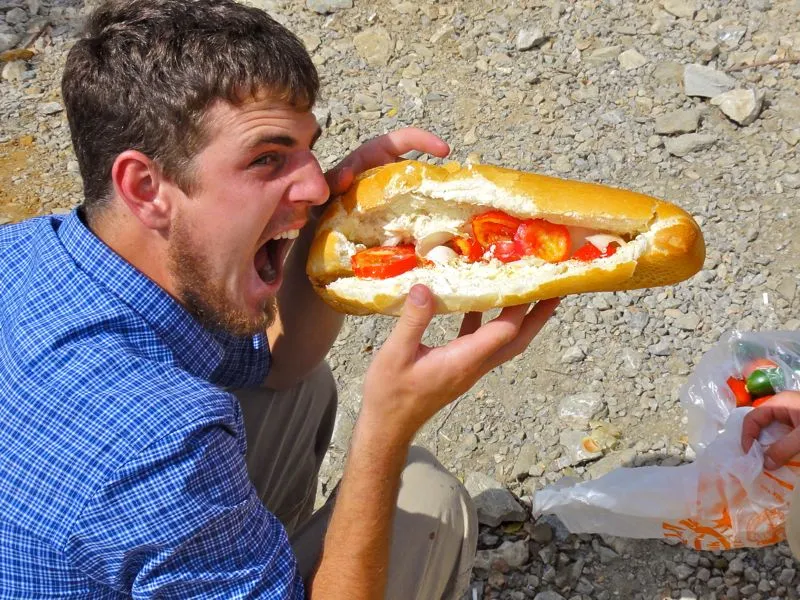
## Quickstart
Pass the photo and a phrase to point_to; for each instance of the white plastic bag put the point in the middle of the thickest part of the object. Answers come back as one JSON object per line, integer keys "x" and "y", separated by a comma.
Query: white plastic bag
{"x": 724, "y": 499}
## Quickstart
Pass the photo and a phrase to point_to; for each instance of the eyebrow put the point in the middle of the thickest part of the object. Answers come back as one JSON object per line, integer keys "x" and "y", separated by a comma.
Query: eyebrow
{"x": 283, "y": 140}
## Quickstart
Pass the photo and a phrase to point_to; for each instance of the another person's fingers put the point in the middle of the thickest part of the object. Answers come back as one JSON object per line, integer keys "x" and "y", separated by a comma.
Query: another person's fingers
{"x": 783, "y": 408}
{"x": 340, "y": 178}
{"x": 782, "y": 451}
{"x": 404, "y": 140}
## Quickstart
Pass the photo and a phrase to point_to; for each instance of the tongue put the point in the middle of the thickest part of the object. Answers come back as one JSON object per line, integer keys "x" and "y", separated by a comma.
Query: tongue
{"x": 263, "y": 265}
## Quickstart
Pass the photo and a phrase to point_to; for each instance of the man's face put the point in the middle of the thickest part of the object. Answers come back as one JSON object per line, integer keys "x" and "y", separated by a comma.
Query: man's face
{"x": 254, "y": 184}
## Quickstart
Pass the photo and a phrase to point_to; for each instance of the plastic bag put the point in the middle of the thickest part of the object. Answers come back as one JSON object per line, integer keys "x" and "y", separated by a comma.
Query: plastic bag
{"x": 724, "y": 499}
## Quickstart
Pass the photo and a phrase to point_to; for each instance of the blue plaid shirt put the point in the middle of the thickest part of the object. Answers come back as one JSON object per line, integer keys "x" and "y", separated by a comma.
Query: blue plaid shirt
{"x": 122, "y": 468}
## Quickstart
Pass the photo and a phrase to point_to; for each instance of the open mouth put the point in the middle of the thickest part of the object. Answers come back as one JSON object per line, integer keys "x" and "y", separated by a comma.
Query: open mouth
{"x": 269, "y": 257}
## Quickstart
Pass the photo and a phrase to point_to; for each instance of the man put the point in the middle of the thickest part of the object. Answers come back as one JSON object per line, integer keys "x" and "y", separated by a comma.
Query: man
{"x": 155, "y": 442}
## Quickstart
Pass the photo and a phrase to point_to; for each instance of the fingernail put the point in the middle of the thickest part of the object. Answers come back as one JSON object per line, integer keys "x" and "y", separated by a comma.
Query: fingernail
{"x": 418, "y": 295}
{"x": 770, "y": 464}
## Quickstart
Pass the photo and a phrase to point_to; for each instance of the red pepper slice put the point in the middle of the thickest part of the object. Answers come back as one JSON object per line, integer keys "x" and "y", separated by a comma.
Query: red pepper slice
{"x": 383, "y": 262}
{"x": 494, "y": 226}
{"x": 589, "y": 252}
{"x": 541, "y": 238}
{"x": 761, "y": 400}
{"x": 467, "y": 247}
{"x": 740, "y": 392}
{"x": 758, "y": 363}
{"x": 506, "y": 251}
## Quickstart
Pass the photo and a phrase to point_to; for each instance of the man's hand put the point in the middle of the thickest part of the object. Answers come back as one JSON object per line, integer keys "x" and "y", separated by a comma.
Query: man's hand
{"x": 408, "y": 382}
{"x": 380, "y": 151}
{"x": 784, "y": 408}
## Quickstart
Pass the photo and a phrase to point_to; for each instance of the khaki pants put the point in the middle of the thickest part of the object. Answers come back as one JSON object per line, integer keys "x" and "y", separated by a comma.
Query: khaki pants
{"x": 435, "y": 525}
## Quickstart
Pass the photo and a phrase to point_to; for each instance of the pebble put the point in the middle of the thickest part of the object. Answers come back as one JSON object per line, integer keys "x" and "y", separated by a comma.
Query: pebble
{"x": 681, "y": 8}
{"x": 530, "y": 38}
{"x": 548, "y": 595}
{"x": 578, "y": 409}
{"x": 742, "y": 106}
{"x": 324, "y": 7}
{"x": 494, "y": 503}
{"x": 374, "y": 45}
{"x": 14, "y": 71}
{"x": 631, "y": 59}
{"x": 513, "y": 554}
{"x": 50, "y": 108}
{"x": 679, "y": 121}
{"x": 688, "y": 143}
{"x": 575, "y": 354}
{"x": 699, "y": 80}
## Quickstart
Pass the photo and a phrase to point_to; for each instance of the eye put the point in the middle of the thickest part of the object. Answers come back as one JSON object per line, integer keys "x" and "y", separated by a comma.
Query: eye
{"x": 273, "y": 160}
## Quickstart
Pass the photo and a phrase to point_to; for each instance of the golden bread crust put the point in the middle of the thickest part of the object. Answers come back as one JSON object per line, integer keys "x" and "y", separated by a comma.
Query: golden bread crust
{"x": 674, "y": 253}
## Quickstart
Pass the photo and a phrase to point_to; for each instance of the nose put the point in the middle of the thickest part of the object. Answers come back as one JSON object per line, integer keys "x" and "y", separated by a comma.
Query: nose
{"x": 310, "y": 186}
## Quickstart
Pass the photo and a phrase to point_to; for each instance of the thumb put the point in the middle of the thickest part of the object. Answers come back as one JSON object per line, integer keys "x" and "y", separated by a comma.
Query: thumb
{"x": 782, "y": 451}
{"x": 417, "y": 314}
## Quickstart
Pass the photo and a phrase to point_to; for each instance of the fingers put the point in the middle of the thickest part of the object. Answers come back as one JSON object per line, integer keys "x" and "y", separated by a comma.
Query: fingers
{"x": 784, "y": 408}
{"x": 405, "y": 339}
{"x": 533, "y": 323}
{"x": 782, "y": 451}
{"x": 340, "y": 178}
{"x": 404, "y": 140}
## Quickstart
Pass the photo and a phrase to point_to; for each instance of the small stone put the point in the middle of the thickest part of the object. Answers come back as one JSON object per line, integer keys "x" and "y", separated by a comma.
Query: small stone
{"x": 14, "y": 71}
{"x": 513, "y": 554}
{"x": 325, "y": 7}
{"x": 374, "y": 46}
{"x": 542, "y": 533}
{"x": 631, "y": 59}
{"x": 494, "y": 503}
{"x": 688, "y": 322}
{"x": 530, "y": 38}
{"x": 742, "y": 106}
{"x": 33, "y": 6}
{"x": 50, "y": 108}
{"x": 575, "y": 354}
{"x": 311, "y": 41}
{"x": 548, "y": 595}
{"x": 688, "y": 143}
{"x": 443, "y": 33}
{"x": 8, "y": 40}
{"x": 679, "y": 121}
{"x": 577, "y": 410}
{"x": 613, "y": 461}
{"x": 787, "y": 576}
{"x": 603, "y": 55}
{"x": 525, "y": 460}
{"x": 707, "y": 50}
{"x": 736, "y": 566}
{"x": 682, "y": 572}
{"x": 16, "y": 16}
{"x": 680, "y": 8}
{"x": 699, "y": 80}
{"x": 787, "y": 288}
{"x": 576, "y": 451}
{"x": 668, "y": 72}
{"x": 661, "y": 348}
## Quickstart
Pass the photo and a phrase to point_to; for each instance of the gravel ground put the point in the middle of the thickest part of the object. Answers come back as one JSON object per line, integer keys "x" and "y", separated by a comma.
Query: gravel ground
{"x": 586, "y": 89}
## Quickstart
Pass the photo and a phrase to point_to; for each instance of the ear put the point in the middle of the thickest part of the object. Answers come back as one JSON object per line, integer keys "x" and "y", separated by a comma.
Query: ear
{"x": 138, "y": 182}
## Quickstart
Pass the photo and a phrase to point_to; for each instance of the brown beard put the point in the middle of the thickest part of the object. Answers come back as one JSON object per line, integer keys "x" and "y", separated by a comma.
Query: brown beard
{"x": 204, "y": 298}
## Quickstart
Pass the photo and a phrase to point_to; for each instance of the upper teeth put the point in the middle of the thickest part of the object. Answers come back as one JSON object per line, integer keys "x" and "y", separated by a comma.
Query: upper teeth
{"x": 289, "y": 235}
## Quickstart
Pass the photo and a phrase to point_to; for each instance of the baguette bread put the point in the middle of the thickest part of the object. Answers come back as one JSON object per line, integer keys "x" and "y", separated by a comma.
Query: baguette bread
{"x": 409, "y": 201}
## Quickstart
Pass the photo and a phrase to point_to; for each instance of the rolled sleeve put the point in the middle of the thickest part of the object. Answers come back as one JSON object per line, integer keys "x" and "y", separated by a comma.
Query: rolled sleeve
{"x": 181, "y": 519}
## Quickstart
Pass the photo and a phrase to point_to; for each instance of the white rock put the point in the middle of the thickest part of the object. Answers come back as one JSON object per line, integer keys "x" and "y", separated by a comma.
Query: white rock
{"x": 688, "y": 143}
{"x": 8, "y": 40}
{"x": 742, "y": 106}
{"x": 680, "y": 8}
{"x": 374, "y": 46}
{"x": 50, "y": 108}
{"x": 324, "y": 7}
{"x": 679, "y": 121}
{"x": 631, "y": 59}
{"x": 14, "y": 70}
{"x": 706, "y": 82}
{"x": 514, "y": 554}
{"x": 577, "y": 410}
{"x": 16, "y": 16}
{"x": 530, "y": 38}
{"x": 33, "y": 6}
{"x": 603, "y": 55}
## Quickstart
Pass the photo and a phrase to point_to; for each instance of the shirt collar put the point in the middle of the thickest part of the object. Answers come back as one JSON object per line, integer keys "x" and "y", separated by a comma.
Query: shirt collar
{"x": 196, "y": 349}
